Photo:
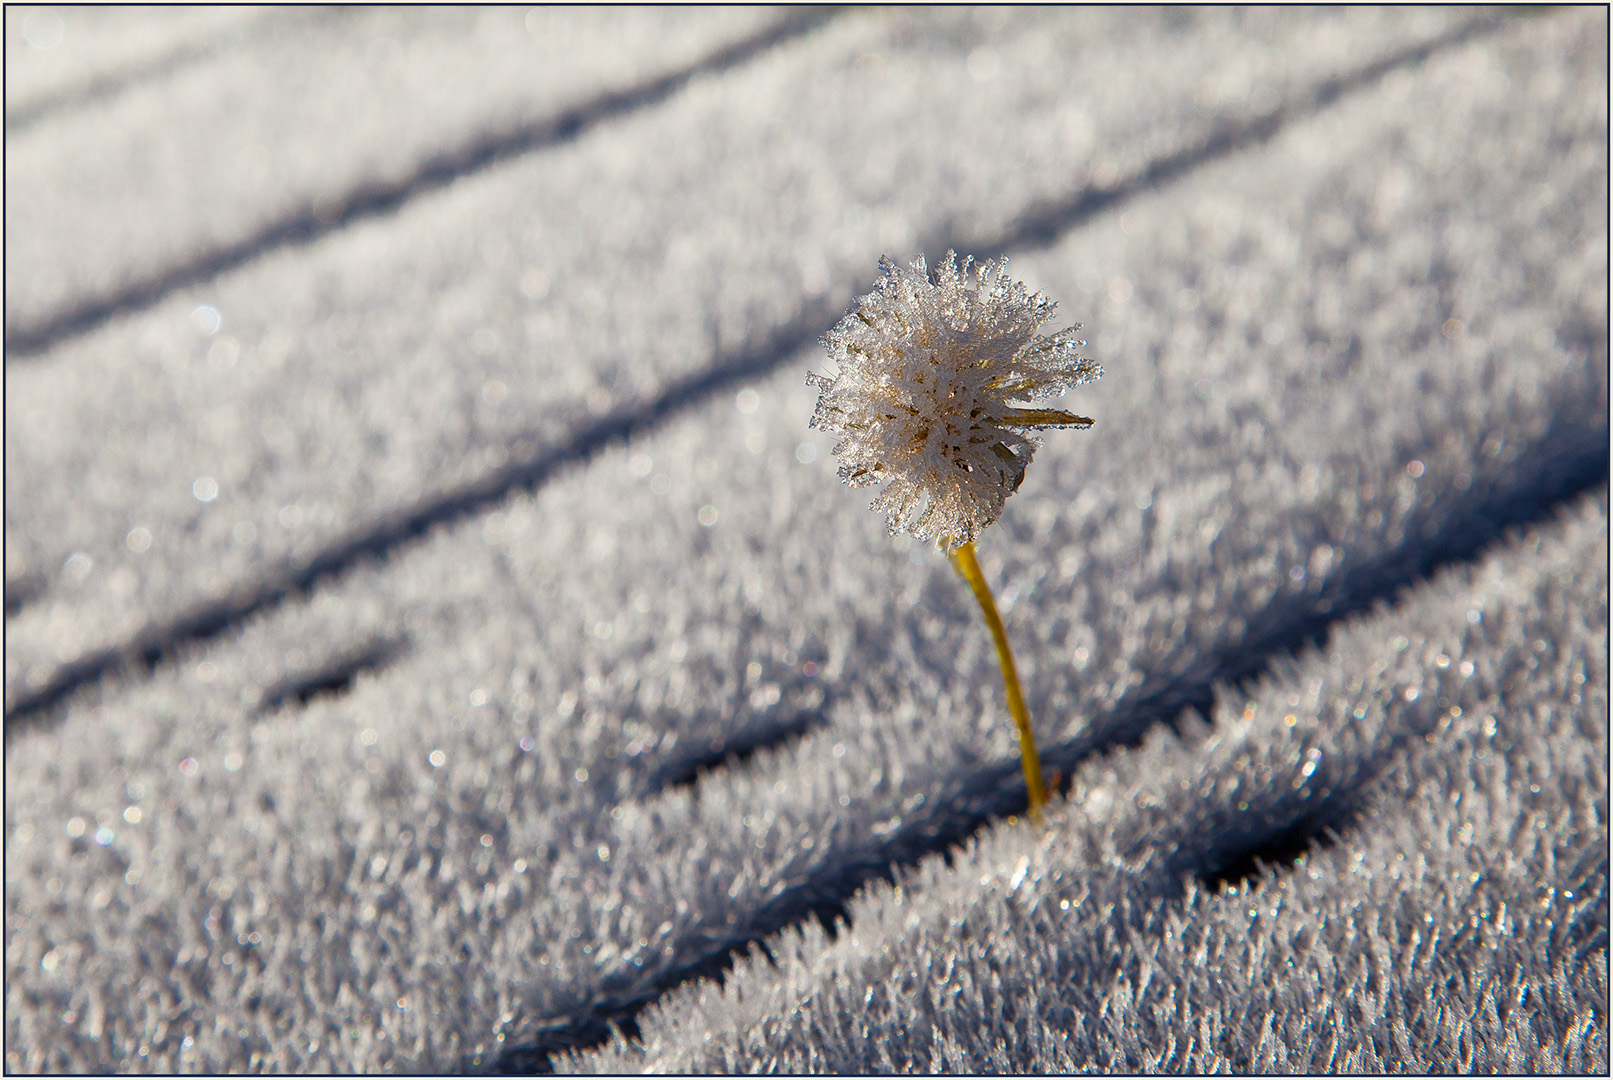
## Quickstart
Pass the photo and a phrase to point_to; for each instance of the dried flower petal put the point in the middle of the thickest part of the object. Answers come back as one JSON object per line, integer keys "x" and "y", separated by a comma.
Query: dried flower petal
{"x": 931, "y": 377}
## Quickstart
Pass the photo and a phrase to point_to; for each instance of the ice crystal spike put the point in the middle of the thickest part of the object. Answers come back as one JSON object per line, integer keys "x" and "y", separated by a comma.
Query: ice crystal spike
{"x": 932, "y": 390}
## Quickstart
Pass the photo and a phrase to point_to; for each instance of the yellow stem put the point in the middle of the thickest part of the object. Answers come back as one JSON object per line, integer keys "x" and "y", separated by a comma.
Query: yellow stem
{"x": 969, "y": 567}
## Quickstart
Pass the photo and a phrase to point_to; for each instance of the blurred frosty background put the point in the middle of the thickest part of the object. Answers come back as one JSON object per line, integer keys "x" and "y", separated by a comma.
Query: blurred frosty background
{"x": 434, "y": 639}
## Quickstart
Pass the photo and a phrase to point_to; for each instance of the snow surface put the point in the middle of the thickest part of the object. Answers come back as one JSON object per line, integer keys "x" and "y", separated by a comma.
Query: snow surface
{"x": 435, "y": 640}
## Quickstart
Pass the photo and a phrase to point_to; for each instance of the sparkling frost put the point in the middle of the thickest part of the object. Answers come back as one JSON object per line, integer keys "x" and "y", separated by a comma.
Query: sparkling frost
{"x": 933, "y": 388}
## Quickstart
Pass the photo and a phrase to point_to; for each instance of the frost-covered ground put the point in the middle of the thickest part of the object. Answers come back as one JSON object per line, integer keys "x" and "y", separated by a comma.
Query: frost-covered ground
{"x": 435, "y": 641}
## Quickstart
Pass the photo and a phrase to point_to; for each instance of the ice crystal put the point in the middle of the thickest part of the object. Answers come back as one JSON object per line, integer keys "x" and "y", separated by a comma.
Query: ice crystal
{"x": 932, "y": 390}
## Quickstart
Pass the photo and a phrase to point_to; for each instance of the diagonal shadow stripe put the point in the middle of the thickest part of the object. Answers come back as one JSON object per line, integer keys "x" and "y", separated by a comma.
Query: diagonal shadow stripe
{"x": 1043, "y": 225}
{"x": 374, "y": 199}
{"x": 1574, "y": 462}
{"x": 334, "y": 676}
{"x": 110, "y": 84}
{"x": 22, "y": 591}
{"x": 685, "y": 766}
{"x": 378, "y": 538}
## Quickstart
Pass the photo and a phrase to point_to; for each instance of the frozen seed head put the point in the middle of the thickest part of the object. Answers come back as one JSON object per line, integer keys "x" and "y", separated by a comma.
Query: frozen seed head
{"x": 933, "y": 388}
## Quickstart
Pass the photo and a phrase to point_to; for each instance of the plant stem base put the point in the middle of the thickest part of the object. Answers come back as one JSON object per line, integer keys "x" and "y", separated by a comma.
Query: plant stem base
{"x": 969, "y": 567}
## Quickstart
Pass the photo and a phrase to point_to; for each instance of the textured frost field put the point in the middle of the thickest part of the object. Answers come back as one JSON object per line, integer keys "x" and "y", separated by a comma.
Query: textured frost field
{"x": 435, "y": 640}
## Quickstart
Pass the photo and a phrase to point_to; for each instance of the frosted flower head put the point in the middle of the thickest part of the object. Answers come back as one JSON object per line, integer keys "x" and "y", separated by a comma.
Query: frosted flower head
{"x": 933, "y": 388}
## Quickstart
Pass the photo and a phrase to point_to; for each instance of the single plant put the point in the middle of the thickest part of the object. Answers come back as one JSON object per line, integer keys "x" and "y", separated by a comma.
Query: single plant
{"x": 931, "y": 393}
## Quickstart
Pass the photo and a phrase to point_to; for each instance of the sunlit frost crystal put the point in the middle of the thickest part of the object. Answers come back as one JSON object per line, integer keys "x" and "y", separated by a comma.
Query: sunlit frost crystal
{"x": 931, "y": 377}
